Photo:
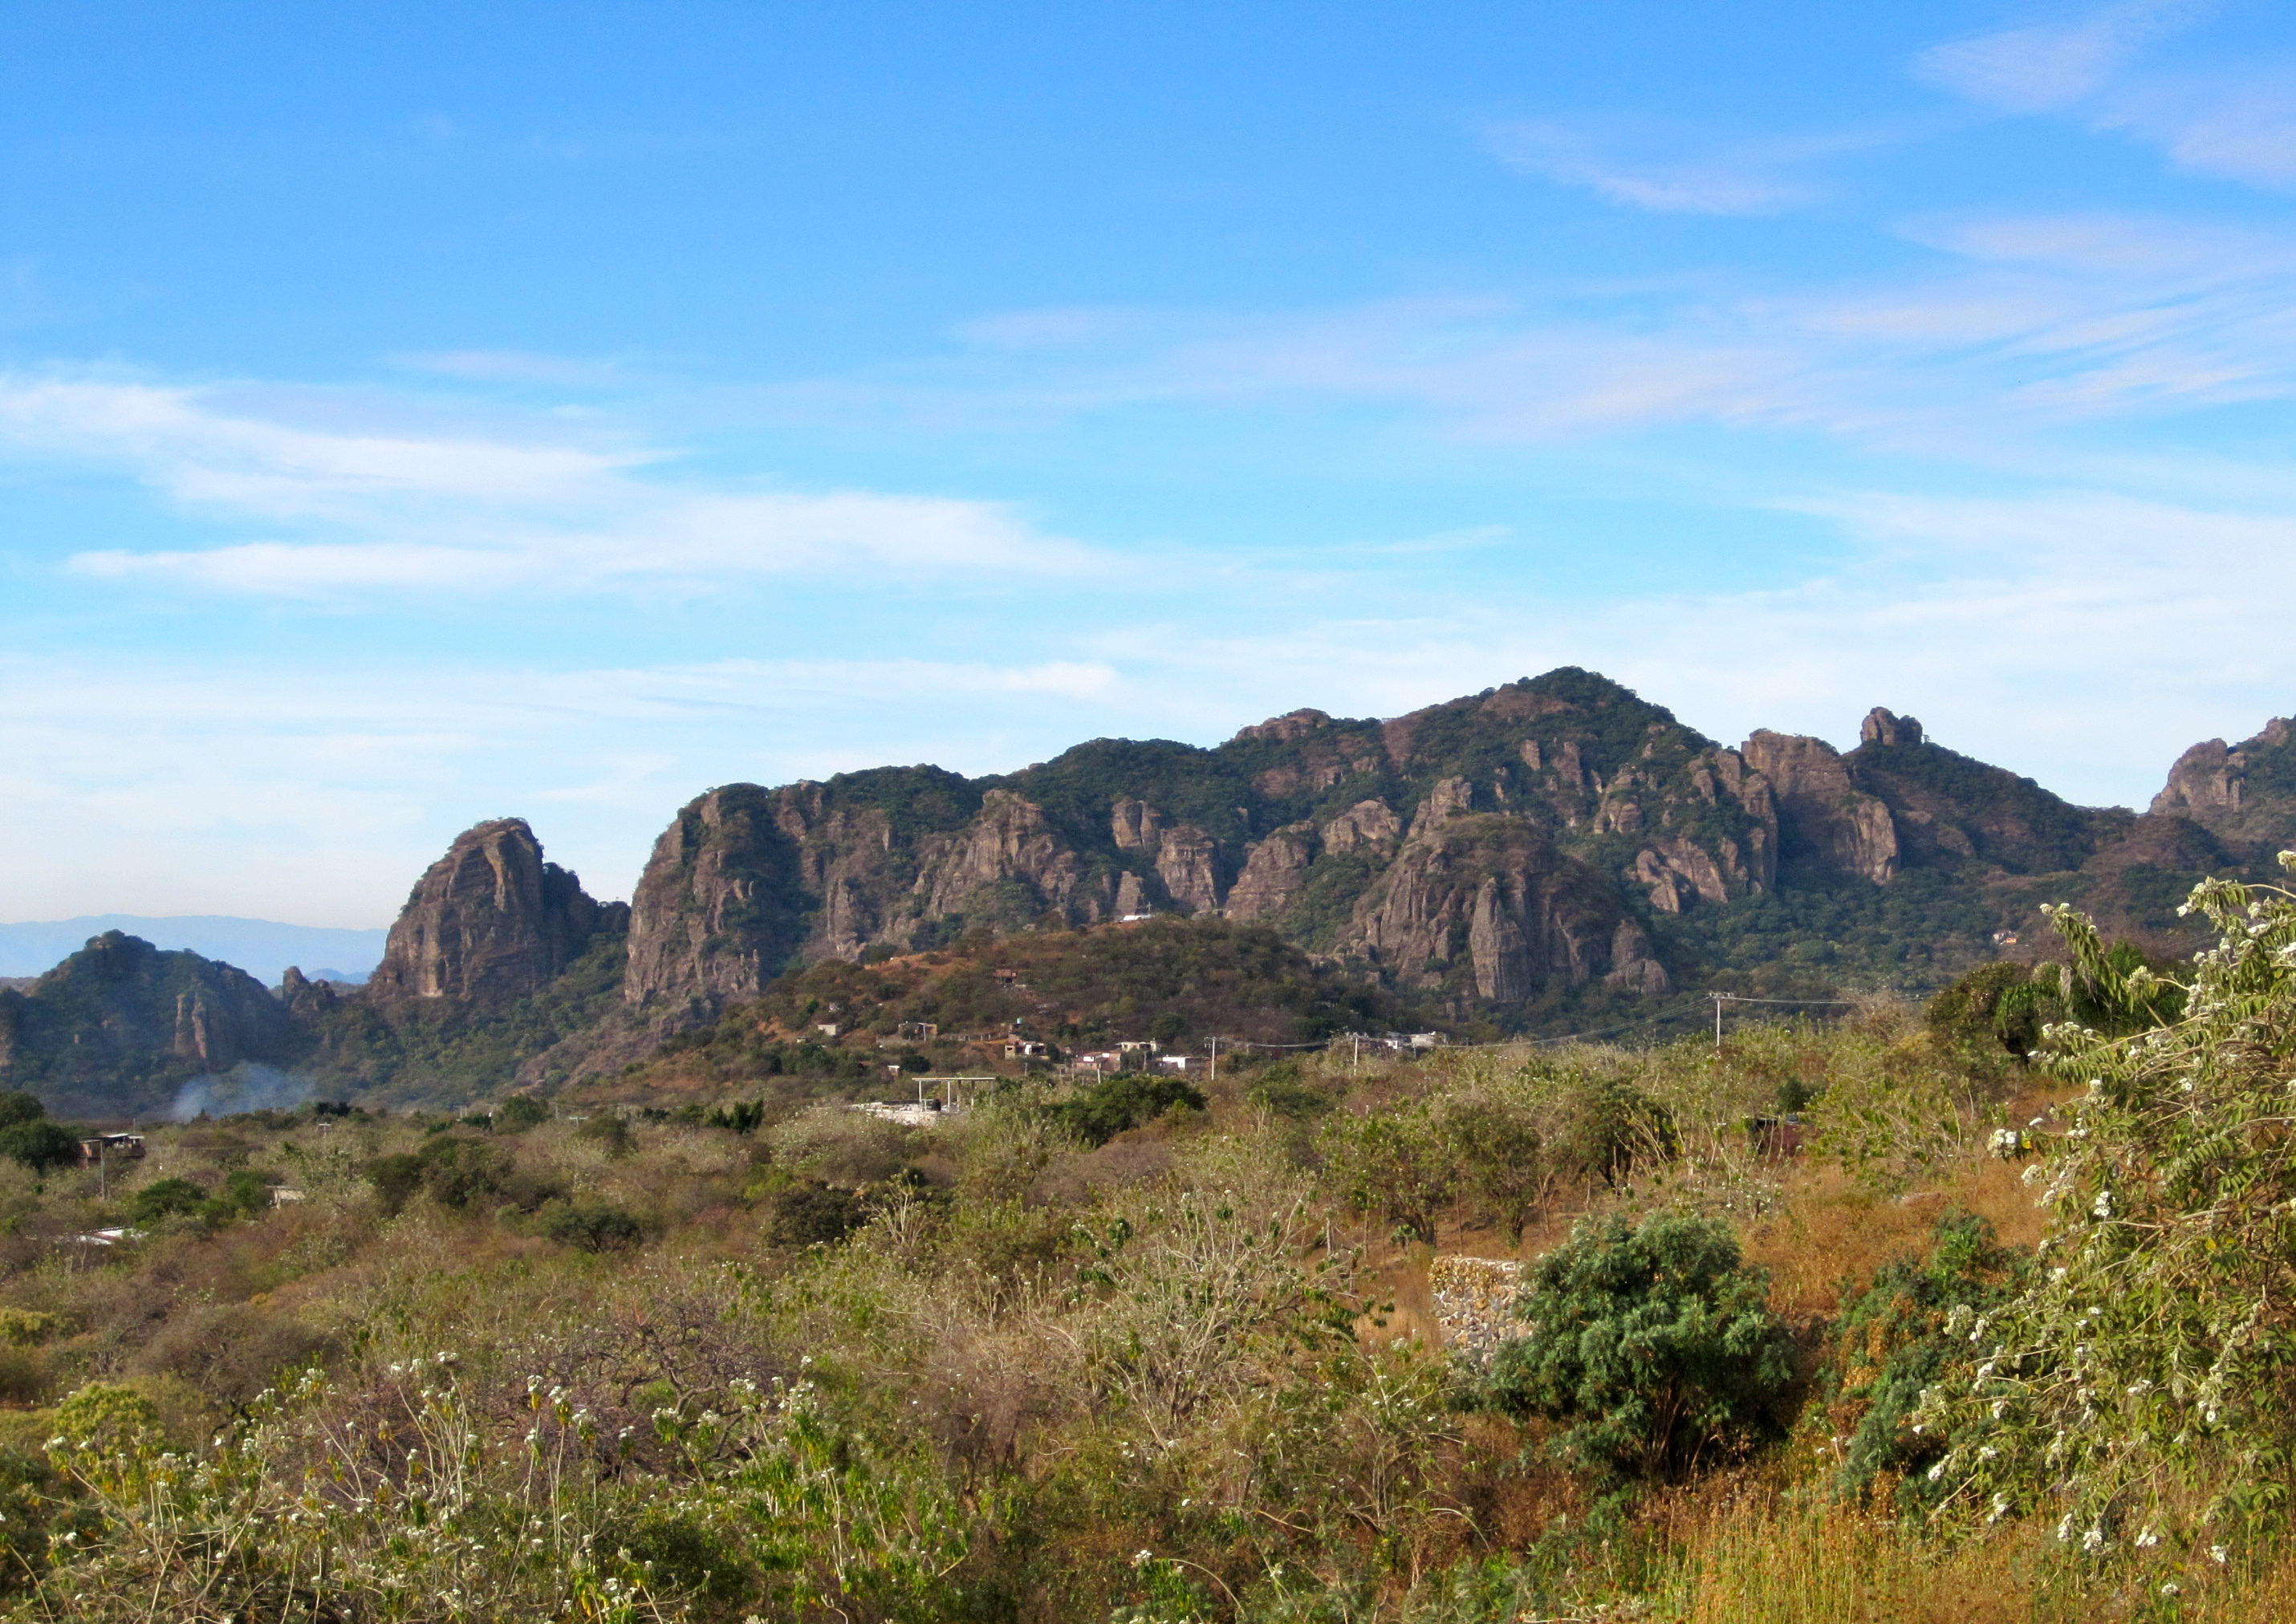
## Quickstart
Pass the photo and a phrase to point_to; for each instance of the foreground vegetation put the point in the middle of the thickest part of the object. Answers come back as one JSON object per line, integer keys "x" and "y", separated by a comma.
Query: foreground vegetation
{"x": 1879, "y": 1320}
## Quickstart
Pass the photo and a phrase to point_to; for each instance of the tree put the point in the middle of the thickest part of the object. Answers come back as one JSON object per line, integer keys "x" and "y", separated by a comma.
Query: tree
{"x": 1397, "y": 1162}
{"x": 1652, "y": 1344}
{"x": 166, "y": 1198}
{"x": 520, "y": 1112}
{"x": 39, "y": 1145}
{"x": 1497, "y": 1150}
{"x": 588, "y": 1226}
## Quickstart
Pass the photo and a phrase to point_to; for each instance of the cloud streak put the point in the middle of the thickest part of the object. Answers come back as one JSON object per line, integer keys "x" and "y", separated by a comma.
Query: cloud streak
{"x": 2234, "y": 120}
{"x": 460, "y": 509}
{"x": 2048, "y": 66}
{"x": 1743, "y": 178}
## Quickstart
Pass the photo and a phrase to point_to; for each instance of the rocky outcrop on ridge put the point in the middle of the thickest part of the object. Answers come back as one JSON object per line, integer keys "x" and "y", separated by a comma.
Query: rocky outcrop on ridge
{"x": 2245, "y": 793}
{"x": 488, "y": 922}
{"x": 1824, "y": 820}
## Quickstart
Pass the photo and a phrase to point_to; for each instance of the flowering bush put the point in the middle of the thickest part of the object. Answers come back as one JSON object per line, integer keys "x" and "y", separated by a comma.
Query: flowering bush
{"x": 2139, "y": 1390}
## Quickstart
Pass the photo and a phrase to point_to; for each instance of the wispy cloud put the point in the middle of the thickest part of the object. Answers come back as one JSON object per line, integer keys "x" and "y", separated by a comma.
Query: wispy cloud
{"x": 2045, "y": 66}
{"x": 466, "y": 510}
{"x": 188, "y": 784}
{"x": 514, "y": 366}
{"x": 1628, "y": 166}
{"x": 2233, "y": 120}
{"x": 2237, "y": 125}
{"x": 2005, "y": 331}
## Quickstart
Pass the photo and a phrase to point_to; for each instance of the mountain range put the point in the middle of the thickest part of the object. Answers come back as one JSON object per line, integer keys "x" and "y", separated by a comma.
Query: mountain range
{"x": 1551, "y": 854}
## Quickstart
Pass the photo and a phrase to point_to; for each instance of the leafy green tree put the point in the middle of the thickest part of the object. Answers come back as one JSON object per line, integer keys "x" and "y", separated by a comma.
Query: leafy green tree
{"x": 741, "y": 1117}
{"x": 17, "y": 1105}
{"x": 166, "y": 1198}
{"x": 1652, "y": 1345}
{"x": 1498, "y": 1151}
{"x": 807, "y": 1212}
{"x": 1099, "y": 1111}
{"x": 245, "y": 1194}
{"x": 520, "y": 1112}
{"x": 1890, "y": 1345}
{"x": 1397, "y": 1162}
{"x": 609, "y": 1131}
{"x": 39, "y": 1145}
{"x": 1609, "y": 1128}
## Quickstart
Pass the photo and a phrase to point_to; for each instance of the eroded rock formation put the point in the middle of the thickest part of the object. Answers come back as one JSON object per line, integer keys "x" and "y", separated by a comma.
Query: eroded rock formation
{"x": 488, "y": 922}
{"x": 1823, "y": 818}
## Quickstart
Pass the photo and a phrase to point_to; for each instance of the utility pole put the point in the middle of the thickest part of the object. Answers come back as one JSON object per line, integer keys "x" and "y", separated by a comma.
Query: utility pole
{"x": 1355, "y": 1060}
{"x": 1215, "y": 1074}
{"x": 1718, "y": 997}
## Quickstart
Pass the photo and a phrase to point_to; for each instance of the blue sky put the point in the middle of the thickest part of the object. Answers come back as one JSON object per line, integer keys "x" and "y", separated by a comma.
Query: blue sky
{"x": 414, "y": 414}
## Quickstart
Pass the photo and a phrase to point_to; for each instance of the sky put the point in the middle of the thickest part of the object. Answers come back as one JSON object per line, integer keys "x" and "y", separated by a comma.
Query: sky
{"x": 420, "y": 413}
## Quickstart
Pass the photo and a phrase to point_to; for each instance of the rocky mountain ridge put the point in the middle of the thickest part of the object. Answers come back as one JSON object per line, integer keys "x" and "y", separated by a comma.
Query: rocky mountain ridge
{"x": 1554, "y": 850}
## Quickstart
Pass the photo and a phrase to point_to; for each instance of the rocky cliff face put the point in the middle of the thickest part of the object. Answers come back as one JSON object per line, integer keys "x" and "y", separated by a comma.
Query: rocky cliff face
{"x": 1490, "y": 847}
{"x": 115, "y": 1029}
{"x": 488, "y": 922}
{"x": 1824, "y": 820}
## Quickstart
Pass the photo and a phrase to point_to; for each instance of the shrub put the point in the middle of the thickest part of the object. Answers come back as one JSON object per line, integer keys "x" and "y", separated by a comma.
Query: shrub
{"x": 28, "y": 1503}
{"x": 741, "y": 1117}
{"x": 840, "y": 1145}
{"x": 2139, "y": 1381}
{"x": 1395, "y": 1162}
{"x": 807, "y": 1212}
{"x": 609, "y": 1131}
{"x": 395, "y": 1179}
{"x": 23, "y": 1375}
{"x": 245, "y": 1194}
{"x": 1652, "y": 1344}
{"x": 588, "y": 1226}
{"x": 167, "y": 1198}
{"x": 455, "y": 1172}
{"x": 520, "y": 1112}
{"x": 106, "y": 1415}
{"x": 1890, "y": 1345}
{"x": 1499, "y": 1153}
{"x": 28, "y": 1327}
{"x": 1283, "y": 1090}
{"x": 39, "y": 1145}
{"x": 1964, "y": 1014}
{"x": 463, "y": 1172}
{"x": 231, "y": 1351}
{"x": 1097, "y": 1113}
{"x": 1609, "y": 1129}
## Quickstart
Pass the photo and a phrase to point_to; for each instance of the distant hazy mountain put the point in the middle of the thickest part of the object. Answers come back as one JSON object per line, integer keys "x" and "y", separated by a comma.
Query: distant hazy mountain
{"x": 262, "y": 947}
